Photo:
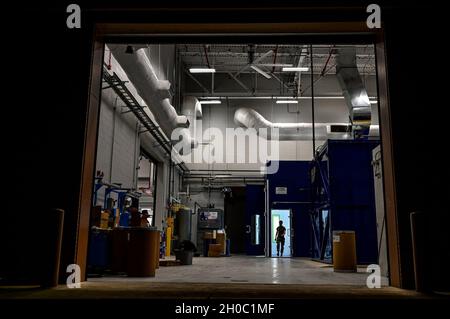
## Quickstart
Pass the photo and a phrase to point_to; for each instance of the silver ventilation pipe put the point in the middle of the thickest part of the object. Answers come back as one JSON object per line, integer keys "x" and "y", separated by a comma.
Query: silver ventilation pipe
{"x": 249, "y": 118}
{"x": 354, "y": 91}
{"x": 156, "y": 95}
{"x": 192, "y": 109}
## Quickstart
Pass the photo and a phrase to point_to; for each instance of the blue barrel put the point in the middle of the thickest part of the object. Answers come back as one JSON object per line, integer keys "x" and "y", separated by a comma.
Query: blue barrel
{"x": 98, "y": 248}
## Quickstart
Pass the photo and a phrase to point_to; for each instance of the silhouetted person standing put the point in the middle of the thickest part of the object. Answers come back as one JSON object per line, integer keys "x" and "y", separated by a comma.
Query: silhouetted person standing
{"x": 280, "y": 238}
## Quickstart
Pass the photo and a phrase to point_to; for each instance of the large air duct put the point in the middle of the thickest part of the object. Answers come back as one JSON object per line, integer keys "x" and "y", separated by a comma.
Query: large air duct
{"x": 249, "y": 118}
{"x": 192, "y": 109}
{"x": 156, "y": 95}
{"x": 354, "y": 91}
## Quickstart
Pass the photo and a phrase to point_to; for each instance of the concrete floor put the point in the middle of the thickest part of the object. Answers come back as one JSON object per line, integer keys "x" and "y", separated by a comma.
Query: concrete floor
{"x": 234, "y": 277}
{"x": 247, "y": 269}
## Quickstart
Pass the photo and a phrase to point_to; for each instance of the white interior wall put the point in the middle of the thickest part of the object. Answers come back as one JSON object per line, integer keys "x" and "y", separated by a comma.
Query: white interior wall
{"x": 221, "y": 116}
{"x": 119, "y": 142}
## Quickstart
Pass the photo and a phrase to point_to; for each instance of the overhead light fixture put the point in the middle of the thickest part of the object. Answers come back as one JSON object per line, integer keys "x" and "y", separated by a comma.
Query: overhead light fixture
{"x": 202, "y": 70}
{"x": 211, "y": 102}
{"x": 287, "y": 102}
{"x": 264, "y": 74}
{"x": 373, "y": 102}
{"x": 279, "y": 65}
{"x": 322, "y": 97}
{"x": 295, "y": 69}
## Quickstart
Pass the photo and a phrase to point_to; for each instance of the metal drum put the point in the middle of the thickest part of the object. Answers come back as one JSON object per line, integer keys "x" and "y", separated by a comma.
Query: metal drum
{"x": 344, "y": 251}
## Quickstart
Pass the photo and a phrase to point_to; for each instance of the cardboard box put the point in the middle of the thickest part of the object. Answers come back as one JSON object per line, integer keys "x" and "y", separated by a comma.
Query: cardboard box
{"x": 104, "y": 219}
{"x": 215, "y": 250}
{"x": 209, "y": 235}
{"x": 221, "y": 240}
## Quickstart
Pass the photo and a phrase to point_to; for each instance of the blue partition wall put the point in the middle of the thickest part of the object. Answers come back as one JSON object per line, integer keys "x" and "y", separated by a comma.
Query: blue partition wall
{"x": 293, "y": 176}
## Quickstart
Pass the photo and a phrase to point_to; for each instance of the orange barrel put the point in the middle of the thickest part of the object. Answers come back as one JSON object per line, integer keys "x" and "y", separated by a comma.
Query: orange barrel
{"x": 142, "y": 251}
{"x": 119, "y": 252}
{"x": 344, "y": 251}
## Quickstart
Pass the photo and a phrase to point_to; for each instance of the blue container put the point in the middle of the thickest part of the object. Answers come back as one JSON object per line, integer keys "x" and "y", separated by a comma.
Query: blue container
{"x": 98, "y": 255}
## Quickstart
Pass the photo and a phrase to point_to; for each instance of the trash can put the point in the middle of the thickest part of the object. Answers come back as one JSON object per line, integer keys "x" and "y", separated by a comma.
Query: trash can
{"x": 344, "y": 251}
{"x": 184, "y": 256}
{"x": 141, "y": 252}
{"x": 185, "y": 251}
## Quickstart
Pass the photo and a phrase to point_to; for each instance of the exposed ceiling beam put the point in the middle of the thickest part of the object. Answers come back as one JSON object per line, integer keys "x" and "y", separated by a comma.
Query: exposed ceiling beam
{"x": 256, "y": 61}
{"x": 196, "y": 81}
{"x": 239, "y": 82}
{"x": 281, "y": 82}
{"x": 301, "y": 60}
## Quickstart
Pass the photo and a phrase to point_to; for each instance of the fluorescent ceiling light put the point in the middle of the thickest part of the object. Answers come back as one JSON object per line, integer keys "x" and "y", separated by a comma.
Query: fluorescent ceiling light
{"x": 202, "y": 70}
{"x": 244, "y": 97}
{"x": 373, "y": 102}
{"x": 297, "y": 69}
{"x": 280, "y": 65}
{"x": 287, "y": 101}
{"x": 322, "y": 97}
{"x": 211, "y": 102}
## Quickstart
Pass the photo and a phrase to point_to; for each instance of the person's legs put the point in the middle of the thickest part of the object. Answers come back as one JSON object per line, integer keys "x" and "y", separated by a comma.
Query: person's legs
{"x": 282, "y": 246}
{"x": 278, "y": 247}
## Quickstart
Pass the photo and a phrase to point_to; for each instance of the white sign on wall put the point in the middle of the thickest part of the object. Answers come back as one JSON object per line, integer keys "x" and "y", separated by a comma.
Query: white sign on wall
{"x": 281, "y": 190}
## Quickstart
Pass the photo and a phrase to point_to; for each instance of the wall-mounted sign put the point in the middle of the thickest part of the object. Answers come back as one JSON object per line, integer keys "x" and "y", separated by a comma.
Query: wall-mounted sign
{"x": 281, "y": 190}
{"x": 212, "y": 215}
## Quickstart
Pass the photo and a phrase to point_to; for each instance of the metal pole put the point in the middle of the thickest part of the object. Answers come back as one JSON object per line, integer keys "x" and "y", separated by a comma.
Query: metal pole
{"x": 312, "y": 100}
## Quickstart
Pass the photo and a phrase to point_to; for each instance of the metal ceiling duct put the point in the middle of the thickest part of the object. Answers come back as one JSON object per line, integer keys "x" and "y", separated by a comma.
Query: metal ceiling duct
{"x": 156, "y": 95}
{"x": 353, "y": 90}
{"x": 249, "y": 118}
{"x": 192, "y": 109}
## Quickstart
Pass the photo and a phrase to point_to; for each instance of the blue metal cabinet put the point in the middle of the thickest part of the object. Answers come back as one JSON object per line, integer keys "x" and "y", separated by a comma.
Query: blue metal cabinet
{"x": 344, "y": 198}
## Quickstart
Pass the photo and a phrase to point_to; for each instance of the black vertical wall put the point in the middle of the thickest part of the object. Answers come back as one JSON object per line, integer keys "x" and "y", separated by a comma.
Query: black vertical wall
{"x": 48, "y": 79}
{"x": 415, "y": 36}
{"x": 47, "y": 73}
{"x": 235, "y": 219}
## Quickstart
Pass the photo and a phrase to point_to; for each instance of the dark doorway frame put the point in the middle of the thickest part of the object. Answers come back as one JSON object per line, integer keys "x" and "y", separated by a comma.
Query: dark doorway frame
{"x": 310, "y": 32}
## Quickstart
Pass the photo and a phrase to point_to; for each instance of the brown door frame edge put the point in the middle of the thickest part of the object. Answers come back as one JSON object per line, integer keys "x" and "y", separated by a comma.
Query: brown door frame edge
{"x": 105, "y": 30}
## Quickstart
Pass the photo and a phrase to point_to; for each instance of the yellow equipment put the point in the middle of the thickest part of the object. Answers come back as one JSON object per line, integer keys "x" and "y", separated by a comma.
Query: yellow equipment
{"x": 169, "y": 232}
